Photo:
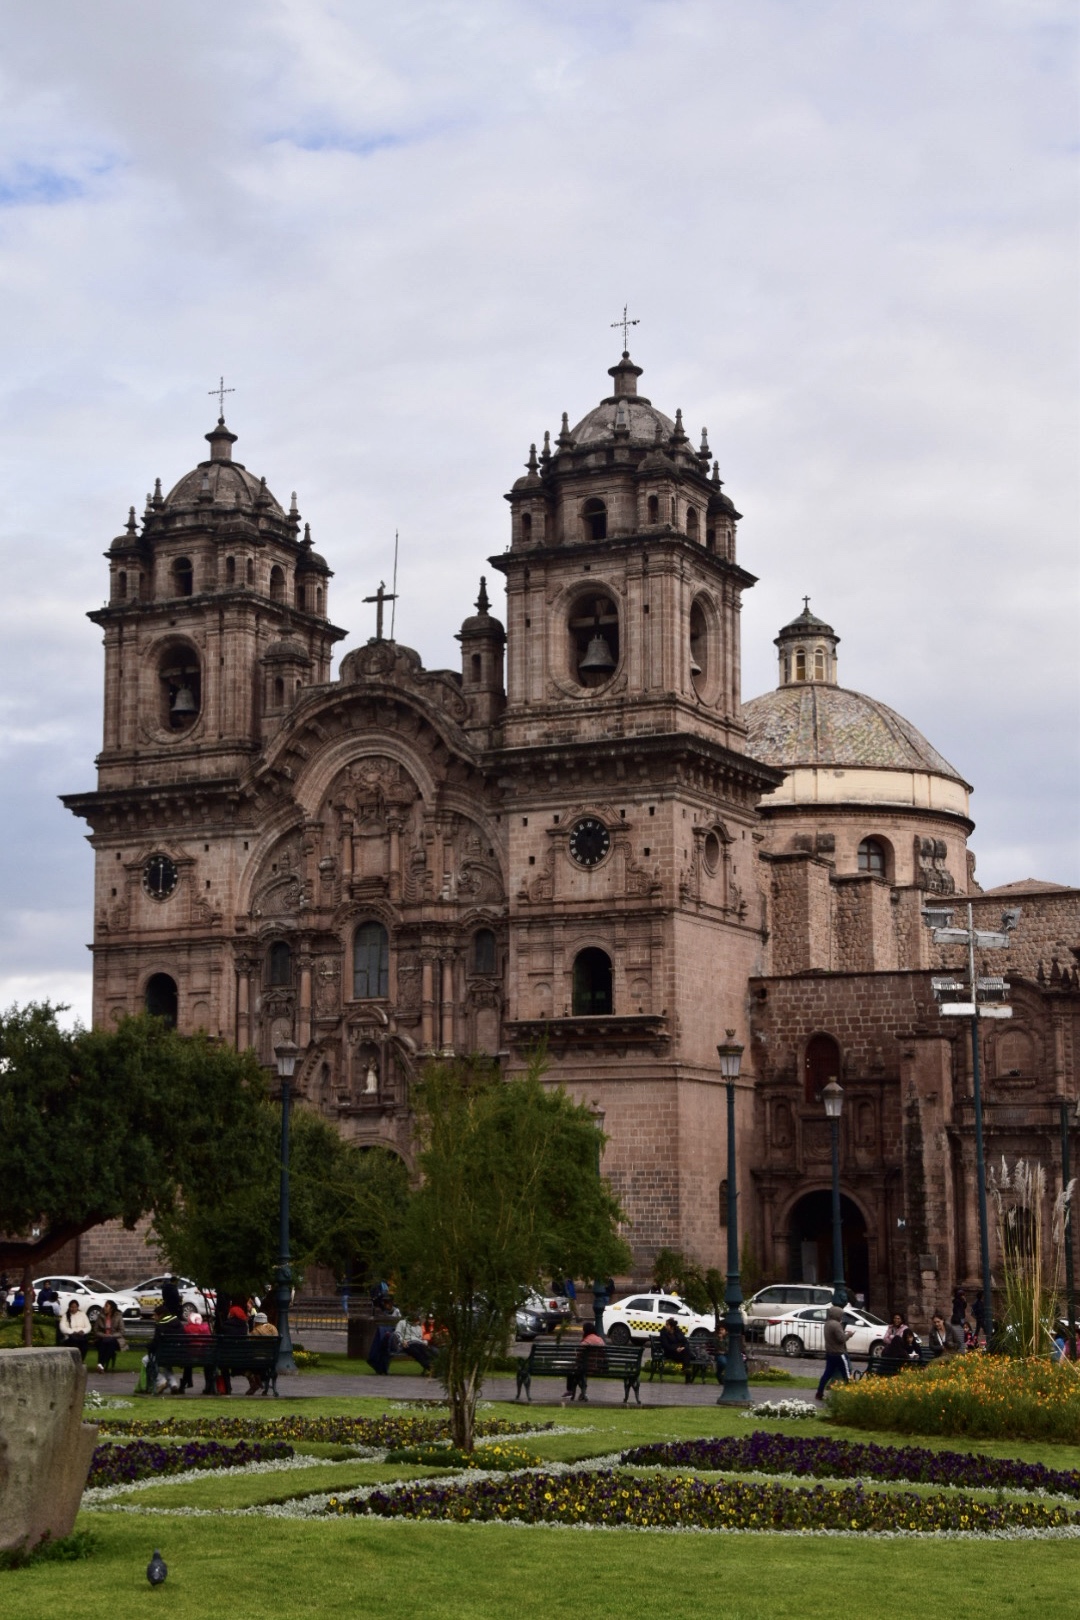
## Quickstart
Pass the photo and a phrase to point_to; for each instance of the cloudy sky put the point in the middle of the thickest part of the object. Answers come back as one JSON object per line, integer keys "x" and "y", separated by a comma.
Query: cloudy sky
{"x": 848, "y": 230}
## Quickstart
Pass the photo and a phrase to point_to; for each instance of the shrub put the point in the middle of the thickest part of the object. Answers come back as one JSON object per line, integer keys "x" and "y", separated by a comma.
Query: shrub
{"x": 492, "y": 1458}
{"x": 987, "y": 1397}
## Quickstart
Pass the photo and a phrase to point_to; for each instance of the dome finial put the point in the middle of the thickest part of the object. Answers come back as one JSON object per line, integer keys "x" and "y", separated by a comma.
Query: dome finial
{"x": 566, "y": 438}
{"x": 131, "y": 527}
{"x": 482, "y": 603}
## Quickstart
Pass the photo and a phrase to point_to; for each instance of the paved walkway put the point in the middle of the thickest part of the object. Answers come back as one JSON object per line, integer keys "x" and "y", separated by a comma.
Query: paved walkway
{"x": 545, "y": 1391}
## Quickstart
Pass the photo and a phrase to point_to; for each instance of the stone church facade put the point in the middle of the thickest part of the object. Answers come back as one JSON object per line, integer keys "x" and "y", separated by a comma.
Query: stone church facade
{"x": 582, "y": 837}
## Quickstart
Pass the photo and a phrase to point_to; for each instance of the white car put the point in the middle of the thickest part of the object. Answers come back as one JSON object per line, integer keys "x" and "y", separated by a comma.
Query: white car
{"x": 803, "y": 1332}
{"x": 641, "y": 1316}
{"x": 90, "y": 1294}
{"x": 781, "y": 1299}
{"x": 148, "y": 1294}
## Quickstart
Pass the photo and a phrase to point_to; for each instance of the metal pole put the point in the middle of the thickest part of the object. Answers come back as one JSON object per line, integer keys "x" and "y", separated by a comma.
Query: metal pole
{"x": 839, "y": 1286}
{"x": 284, "y": 1276}
{"x": 980, "y": 1158}
{"x": 1070, "y": 1284}
{"x": 736, "y": 1389}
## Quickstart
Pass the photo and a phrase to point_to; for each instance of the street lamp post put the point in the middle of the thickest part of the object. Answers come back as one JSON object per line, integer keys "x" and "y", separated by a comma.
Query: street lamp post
{"x": 735, "y": 1390}
{"x": 1070, "y": 1283}
{"x": 832, "y": 1096}
{"x": 286, "y": 1055}
{"x": 982, "y": 998}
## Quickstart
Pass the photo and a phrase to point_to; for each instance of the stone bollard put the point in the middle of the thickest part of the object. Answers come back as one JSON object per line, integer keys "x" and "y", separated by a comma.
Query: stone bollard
{"x": 45, "y": 1447}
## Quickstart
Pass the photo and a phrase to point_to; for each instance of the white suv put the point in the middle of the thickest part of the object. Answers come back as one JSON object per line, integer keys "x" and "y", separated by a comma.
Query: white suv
{"x": 781, "y": 1298}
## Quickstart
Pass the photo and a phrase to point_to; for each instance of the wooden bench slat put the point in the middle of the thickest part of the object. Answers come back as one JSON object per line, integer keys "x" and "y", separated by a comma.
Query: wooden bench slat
{"x": 217, "y": 1352}
{"x": 582, "y": 1362}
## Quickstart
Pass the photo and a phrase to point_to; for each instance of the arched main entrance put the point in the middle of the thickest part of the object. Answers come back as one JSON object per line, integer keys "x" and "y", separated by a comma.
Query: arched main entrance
{"x": 810, "y": 1242}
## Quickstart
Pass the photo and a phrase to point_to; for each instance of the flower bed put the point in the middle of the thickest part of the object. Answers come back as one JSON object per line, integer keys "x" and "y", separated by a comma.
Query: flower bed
{"x": 609, "y": 1498}
{"x": 379, "y": 1433}
{"x": 988, "y": 1397}
{"x": 140, "y": 1459}
{"x": 825, "y": 1458}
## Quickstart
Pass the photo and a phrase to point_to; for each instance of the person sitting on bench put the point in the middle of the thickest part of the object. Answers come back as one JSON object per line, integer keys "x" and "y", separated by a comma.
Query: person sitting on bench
{"x": 577, "y": 1379}
{"x": 675, "y": 1345}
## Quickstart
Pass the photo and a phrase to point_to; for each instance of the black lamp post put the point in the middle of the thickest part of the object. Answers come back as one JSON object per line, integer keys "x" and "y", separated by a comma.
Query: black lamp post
{"x": 735, "y": 1390}
{"x": 832, "y": 1096}
{"x": 1070, "y": 1283}
{"x": 286, "y": 1055}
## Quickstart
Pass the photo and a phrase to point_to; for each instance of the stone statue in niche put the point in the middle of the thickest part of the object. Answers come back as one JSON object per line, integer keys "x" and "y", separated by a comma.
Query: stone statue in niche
{"x": 931, "y": 873}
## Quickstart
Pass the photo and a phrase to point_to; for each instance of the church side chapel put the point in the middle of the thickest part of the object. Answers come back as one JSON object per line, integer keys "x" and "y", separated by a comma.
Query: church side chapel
{"x": 582, "y": 838}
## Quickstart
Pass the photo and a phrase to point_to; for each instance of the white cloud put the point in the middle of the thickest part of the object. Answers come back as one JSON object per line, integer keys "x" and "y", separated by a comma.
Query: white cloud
{"x": 402, "y": 233}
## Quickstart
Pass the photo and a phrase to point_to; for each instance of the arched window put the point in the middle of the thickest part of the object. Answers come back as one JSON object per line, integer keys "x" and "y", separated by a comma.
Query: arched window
{"x": 183, "y": 577}
{"x": 526, "y": 527}
{"x": 121, "y": 587}
{"x": 483, "y": 951}
{"x": 819, "y": 664}
{"x": 594, "y": 517}
{"x": 699, "y": 649}
{"x": 301, "y": 596}
{"x": 279, "y": 692}
{"x": 872, "y": 856}
{"x": 477, "y": 666}
{"x": 821, "y": 1065}
{"x": 800, "y": 665}
{"x": 279, "y": 963}
{"x": 653, "y": 508}
{"x": 592, "y": 983}
{"x": 161, "y": 998}
{"x": 710, "y": 539}
{"x": 691, "y": 523}
{"x": 371, "y": 962}
{"x": 318, "y": 599}
{"x": 250, "y": 571}
{"x": 179, "y": 687}
{"x": 230, "y": 570}
{"x": 277, "y": 584}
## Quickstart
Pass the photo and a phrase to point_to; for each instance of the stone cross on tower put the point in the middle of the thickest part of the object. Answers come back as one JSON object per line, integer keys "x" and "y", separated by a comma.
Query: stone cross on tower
{"x": 626, "y": 325}
{"x": 381, "y": 595}
{"x": 221, "y": 391}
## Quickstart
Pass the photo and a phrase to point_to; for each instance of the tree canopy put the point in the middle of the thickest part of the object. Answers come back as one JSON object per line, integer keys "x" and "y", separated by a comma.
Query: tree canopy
{"x": 510, "y": 1192}
{"x": 99, "y": 1125}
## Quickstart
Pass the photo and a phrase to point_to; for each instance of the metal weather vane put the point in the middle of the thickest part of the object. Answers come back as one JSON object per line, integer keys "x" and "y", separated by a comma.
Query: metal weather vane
{"x": 220, "y": 391}
{"x": 626, "y": 324}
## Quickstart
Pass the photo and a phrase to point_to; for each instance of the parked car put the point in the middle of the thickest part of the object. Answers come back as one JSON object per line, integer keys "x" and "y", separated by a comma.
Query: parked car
{"x": 641, "y": 1316}
{"x": 550, "y": 1310}
{"x": 527, "y": 1325}
{"x": 781, "y": 1298}
{"x": 148, "y": 1294}
{"x": 90, "y": 1294}
{"x": 801, "y": 1333}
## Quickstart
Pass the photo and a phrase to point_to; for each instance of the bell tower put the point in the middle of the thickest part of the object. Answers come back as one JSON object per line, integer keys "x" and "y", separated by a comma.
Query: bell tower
{"x": 629, "y": 797}
{"x": 217, "y": 620}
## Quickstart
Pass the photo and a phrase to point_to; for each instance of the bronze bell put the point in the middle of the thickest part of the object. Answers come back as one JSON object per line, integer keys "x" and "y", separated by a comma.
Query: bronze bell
{"x": 598, "y": 656}
{"x": 183, "y": 704}
{"x": 695, "y": 667}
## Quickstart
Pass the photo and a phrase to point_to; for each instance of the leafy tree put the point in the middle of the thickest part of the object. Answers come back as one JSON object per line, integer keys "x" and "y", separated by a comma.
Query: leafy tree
{"x": 100, "y": 1125}
{"x": 510, "y": 1192}
{"x": 701, "y": 1287}
{"x": 225, "y": 1229}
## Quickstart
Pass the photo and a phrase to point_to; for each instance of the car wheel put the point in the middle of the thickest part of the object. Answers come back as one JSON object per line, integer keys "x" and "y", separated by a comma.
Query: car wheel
{"x": 876, "y": 1350}
{"x": 94, "y": 1314}
{"x": 792, "y": 1345}
{"x": 619, "y": 1334}
{"x": 699, "y": 1333}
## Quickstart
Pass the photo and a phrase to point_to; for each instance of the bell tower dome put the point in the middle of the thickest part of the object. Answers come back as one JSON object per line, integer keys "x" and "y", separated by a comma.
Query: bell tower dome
{"x": 807, "y": 650}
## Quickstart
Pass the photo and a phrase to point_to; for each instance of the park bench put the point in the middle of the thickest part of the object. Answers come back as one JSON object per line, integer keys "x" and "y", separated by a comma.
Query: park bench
{"x": 548, "y": 1359}
{"x": 700, "y": 1362}
{"x": 218, "y": 1353}
{"x": 888, "y": 1367}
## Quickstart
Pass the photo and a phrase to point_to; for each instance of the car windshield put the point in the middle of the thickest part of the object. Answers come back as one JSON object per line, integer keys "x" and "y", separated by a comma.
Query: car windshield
{"x": 868, "y": 1316}
{"x": 90, "y": 1285}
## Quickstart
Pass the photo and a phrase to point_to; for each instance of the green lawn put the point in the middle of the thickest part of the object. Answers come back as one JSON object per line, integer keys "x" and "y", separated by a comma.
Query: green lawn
{"x": 246, "y": 1568}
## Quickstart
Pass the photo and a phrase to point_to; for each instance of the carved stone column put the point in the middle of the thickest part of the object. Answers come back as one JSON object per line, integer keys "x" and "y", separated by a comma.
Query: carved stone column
{"x": 395, "y": 825}
{"x": 427, "y": 1001}
{"x": 303, "y": 1022}
{"x": 446, "y": 1035}
{"x": 243, "y": 1002}
{"x": 346, "y": 853}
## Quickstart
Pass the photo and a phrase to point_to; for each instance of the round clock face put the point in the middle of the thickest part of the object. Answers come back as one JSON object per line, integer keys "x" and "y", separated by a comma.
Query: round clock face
{"x": 159, "y": 877}
{"x": 589, "y": 841}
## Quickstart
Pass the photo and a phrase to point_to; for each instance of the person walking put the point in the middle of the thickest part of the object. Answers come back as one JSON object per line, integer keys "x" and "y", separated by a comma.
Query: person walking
{"x": 958, "y": 1313}
{"x": 836, "y": 1361}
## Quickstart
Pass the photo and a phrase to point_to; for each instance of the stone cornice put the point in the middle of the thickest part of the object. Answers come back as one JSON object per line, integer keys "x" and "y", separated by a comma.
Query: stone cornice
{"x": 651, "y": 542}
{"x": 162, "y": 805}
{"x": 680, "y": 757}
